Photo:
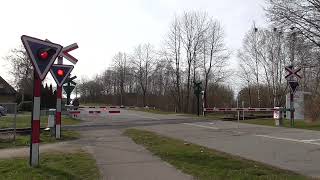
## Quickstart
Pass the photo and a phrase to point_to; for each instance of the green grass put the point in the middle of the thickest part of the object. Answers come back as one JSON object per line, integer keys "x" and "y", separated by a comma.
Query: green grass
{"x": 57, "y": 166}
{"x": 45, "y": 137}
{"x": 297, "y": 124}
{"x": 24, "y": 121}
{"x": 203, "y": 163}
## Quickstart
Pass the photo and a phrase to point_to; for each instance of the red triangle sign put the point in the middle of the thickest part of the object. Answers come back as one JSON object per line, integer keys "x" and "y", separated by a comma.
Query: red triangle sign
{"x": 60, "y": 73}
{"x": 293, "y": 86}
{"x": 41, "y": 53}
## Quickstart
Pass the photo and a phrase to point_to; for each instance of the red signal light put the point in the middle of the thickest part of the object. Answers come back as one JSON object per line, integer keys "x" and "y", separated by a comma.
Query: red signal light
{"x": 60, "y": 72}
{"x": 44, "y": 55}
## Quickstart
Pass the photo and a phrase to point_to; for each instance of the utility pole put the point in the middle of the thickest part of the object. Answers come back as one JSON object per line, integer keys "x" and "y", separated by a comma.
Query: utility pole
{"x": 293, "y": 40}
{"x": 257, "y": 64}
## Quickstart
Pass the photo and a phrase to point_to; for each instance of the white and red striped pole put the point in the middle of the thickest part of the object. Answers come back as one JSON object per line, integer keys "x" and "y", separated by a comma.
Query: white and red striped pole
{"x": 58, "y": 113}
{"x": 35, "y": 122}
{"x": 58, "y": 107}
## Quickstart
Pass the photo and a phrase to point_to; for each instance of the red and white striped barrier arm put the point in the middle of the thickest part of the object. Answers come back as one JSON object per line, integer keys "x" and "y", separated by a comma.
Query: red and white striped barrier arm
{"x": 240, "y": 109}
{"x": 94, "y": 112}
{"x": 74, "y": 114}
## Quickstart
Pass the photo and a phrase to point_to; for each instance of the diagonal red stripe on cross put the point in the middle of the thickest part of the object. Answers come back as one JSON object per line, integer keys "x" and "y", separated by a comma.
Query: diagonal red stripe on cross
{"x": 292, "y": 72}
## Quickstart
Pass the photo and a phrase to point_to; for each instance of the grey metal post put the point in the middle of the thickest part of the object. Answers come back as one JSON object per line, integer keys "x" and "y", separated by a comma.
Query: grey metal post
{"x": 243, "y": 110}
{"x": 238, "y": 110}
{"x": 15, "y": 124}
{"x": 292, "y": 65}
{"x": 203, "y": 113}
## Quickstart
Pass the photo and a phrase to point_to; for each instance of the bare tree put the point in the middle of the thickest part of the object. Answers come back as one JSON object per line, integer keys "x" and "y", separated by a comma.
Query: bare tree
{"x": 302, "y": 14}
{"x": 142, "y": 61}
{"x": 22, "y": 71}
{"x": 193, "y": 28}
{"x": 164, "y": 78}
{"x": 120, "y": 67}
{"x": 246, "y": 76}
{"x": 172, "y": 54}
{"x": 264, "y": 54}
{"x": 215, "y": 55}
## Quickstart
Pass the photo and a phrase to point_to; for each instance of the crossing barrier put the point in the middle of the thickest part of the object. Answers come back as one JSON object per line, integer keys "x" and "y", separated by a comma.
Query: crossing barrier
{"x": 240, "y": 109}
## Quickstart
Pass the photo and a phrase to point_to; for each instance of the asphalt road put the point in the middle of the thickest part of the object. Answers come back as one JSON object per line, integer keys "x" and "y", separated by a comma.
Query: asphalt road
{"x": 292, "y": 149}
{"x": 125, "y": 119}
{"x": 117, "y": 156}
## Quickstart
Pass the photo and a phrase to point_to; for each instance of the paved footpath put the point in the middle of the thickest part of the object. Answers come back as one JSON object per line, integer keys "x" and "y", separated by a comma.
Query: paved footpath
{"x": 119, "y": 158}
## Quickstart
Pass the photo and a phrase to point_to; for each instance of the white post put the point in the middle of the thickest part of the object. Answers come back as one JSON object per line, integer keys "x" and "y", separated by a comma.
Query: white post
{"x": 238, "y": 110}
{"x": 203, "y": 113}
{"x": 243, "y": 110}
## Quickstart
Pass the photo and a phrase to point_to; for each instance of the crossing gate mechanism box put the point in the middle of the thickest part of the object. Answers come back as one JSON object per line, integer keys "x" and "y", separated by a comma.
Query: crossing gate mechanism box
{"x": 51, "y": 118}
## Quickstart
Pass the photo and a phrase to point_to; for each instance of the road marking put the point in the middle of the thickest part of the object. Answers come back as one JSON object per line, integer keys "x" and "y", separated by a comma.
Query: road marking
{"x": 279, "y": 138}
{"x": 310, "y": 141}
{"x": 208, "y": 127}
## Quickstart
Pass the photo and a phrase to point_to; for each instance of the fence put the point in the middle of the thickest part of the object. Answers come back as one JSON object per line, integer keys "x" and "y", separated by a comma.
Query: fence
{"x": 11, "y": 114}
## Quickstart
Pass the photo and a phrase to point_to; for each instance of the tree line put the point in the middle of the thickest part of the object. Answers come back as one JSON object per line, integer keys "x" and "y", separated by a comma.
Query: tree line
{"x": 293, "y": 36}
{"x": 193, "y": 50}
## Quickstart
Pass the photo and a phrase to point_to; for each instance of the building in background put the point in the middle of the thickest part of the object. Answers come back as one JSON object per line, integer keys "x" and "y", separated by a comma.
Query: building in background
{"x": 7, "y": 93}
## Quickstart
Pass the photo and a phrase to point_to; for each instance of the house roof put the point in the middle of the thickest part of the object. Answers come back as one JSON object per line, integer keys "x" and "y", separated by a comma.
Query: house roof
{"x": 5, "y": 88}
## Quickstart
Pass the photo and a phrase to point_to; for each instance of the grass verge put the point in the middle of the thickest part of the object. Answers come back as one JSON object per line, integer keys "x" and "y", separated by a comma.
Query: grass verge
{"x": 203, "y": 163}
{"x": 297, "y": 124}
{"x": 60, "y": 166}
{"x": 24, "y": 121}
{"x": 45, "y": 137}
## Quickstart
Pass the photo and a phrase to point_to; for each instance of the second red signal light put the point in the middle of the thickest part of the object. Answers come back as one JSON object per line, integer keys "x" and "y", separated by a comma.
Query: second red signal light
{"x": 60, "y": 72}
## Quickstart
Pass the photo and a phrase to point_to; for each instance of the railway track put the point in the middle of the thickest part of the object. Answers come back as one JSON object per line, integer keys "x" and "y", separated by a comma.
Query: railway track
{"x": 18, "y": 130}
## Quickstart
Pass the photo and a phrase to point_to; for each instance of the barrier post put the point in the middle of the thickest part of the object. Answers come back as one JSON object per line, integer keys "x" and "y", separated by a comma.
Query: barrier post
{"x": 35, "y": 122}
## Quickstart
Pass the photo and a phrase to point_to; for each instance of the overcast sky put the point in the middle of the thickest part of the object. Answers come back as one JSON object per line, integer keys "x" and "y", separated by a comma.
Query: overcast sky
{"x": 104, "y": 27}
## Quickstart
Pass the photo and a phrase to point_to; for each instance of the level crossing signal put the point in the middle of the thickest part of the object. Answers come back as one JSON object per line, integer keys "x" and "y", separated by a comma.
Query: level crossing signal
{"x": 42, "y": 54}
{"x": 60, "y": 73}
